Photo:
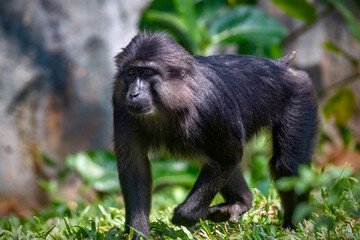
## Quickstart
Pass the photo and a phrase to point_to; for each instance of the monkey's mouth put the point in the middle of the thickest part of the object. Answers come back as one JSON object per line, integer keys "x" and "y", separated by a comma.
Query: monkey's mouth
{"x": 139, "y": 109}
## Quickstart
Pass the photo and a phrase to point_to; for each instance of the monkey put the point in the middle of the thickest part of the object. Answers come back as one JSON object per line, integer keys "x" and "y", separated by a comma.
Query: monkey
{"x": 207, "y": 108}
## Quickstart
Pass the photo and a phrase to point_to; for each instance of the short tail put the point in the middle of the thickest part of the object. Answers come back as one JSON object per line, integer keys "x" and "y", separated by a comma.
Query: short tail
{"x": 287, "y": 59}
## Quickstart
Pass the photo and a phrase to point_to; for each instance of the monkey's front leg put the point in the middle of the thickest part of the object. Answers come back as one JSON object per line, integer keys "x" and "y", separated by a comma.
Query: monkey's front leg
{"x": 135, "y": 179}
{"x": 196, "y": 205}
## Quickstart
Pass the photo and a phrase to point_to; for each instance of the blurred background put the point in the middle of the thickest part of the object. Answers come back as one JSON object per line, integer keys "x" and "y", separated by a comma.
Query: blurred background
{"x": 56, "y": 73}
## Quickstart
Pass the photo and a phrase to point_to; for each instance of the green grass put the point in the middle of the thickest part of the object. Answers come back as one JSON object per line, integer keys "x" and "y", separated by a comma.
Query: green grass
{"x": 334, "y": 205}
{"x": 335, "y": 215}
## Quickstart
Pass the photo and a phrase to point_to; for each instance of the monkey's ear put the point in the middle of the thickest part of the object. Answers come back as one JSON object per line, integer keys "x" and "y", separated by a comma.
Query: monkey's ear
{"x": 119, "y": 58}
{"x": 178, "y": 73}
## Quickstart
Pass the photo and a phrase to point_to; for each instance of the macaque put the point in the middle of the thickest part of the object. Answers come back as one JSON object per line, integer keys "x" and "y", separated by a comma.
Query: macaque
{"x": 207, "y": 108}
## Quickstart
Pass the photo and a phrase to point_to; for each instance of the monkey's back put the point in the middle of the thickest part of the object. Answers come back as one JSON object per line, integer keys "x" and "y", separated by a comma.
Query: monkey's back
{"x": 259, "y": 89}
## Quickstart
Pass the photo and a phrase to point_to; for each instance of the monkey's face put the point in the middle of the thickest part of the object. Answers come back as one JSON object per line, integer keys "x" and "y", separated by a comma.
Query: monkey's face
{"x": 155, "y": 76}
{"x": 139, "y": 82}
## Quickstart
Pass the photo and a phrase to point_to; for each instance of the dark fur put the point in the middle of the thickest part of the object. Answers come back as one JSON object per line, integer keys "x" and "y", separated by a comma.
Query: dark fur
{"x": 208, "y": 108}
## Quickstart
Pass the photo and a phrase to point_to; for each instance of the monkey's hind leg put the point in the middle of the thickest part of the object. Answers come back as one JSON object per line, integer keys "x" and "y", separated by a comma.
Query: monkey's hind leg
{"x": 238, "y": 199}
{"x": 210, "y": 181}
{"x": 293, "y": 142}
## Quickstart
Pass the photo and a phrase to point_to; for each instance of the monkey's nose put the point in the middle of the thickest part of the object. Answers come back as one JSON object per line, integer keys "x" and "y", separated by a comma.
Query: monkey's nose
{"x": 133, "y": 95}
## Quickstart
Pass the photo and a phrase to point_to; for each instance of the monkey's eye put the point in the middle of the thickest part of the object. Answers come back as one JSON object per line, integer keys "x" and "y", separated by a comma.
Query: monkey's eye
{"x": 148, "y": 72}
{"x": 130, "y": 72}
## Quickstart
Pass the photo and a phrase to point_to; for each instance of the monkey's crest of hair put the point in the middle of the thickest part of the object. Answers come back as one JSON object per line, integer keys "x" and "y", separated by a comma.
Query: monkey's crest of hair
{"x": 158, "y": 48}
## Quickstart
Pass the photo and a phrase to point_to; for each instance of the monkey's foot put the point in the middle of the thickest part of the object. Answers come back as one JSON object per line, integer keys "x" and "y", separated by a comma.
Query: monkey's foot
{"x": 186, "y": 216}
{"x": 227, "y": 212}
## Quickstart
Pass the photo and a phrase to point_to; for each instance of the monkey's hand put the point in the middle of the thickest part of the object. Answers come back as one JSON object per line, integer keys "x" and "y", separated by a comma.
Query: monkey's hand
{"x": 227, "y": 212}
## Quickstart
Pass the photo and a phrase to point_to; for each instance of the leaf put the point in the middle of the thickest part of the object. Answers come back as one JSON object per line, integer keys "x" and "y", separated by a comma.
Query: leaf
{"x": 299, "y": 9}
{"x": 341, "y": 106}
{"x": 205, "y": 10}
{"x": 170, "y": 20}
{"x": 140, "y": 233}
{"x": 171, "y": 23}
{"x": 340, "y": 172}
{"x": 209, "y": 235}
{"x": 48, "y": 161}
{"x": 173, "y": 172}
{"x": 352, "y": 22}
{"x": 96, "y": 168}
{"x": 199, "y": 25}
{"x": 324, "y": 221}
{"x": 185, "y": 8}
{"x": 162, "y": 5}
{"x": 245, "y": 22}
{"x": 286, "y": 183}
{"x": 178, "y": 18}
{"x": 346, "y": 135}
{"x": 331, "y": 47}
{"x": 302, "y": 211}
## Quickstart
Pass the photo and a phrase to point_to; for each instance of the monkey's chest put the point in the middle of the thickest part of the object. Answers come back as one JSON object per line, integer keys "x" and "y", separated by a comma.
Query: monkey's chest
{"x": 176, "y": 143}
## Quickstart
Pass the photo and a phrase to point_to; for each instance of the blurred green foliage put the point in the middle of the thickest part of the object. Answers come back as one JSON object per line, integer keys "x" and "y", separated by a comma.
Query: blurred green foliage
{"x": 336, "y": 49}
{"x": 97, "y": 169}
{"x": 342, "y": 106}
{"x": 200, "y": 26}
{"x": 300, "y": 9}
{"x": 352, "y": 21}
